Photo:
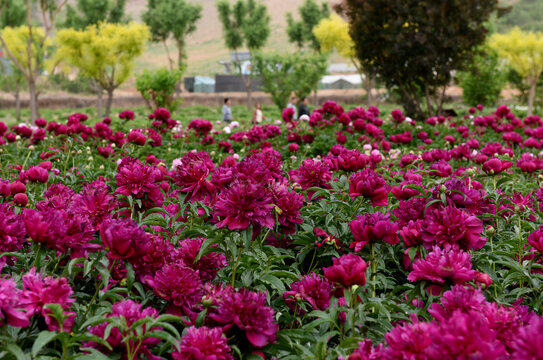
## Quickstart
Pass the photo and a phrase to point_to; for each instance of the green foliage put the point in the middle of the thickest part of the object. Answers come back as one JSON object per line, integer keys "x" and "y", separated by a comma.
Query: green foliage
{"x": 525, "y": 14}
{"x": 157, "y": 87}
{"x": 246, "y": 23}
{"x": 415, "y": 45}
{"x": 172, "y": 18}
{"x": 301, "y": 32}
{"x": 92, "y": 12}
{"x": 283, "y": 74}
{"x": 12, "y": 13}
{"x": 483, "y": 80}
{"x": 79, "y": 85}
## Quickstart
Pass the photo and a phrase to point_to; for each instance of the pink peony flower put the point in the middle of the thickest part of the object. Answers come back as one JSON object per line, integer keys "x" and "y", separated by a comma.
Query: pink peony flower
{"x": 39, "y": 291}
{"x": 10, "y": 308}
{"x": 207, "y": 266}
{"x": 373, "y": 227}
{"x": 139, "y": 181}
{"x": 496, "y": 166}
{"x": 312, "y": 288}
{"x": 448, "y": 266}
{"x": 528, "y": 343}
{"x": 37, "y": 174}
{"x": 94, "y": 202}
{"x": 287, "y": 207}
{"x": 312, "y": 173}
{"x": 12, "y": 230}
{"x": 203, "y": 343}
{"x": 131, "y": 312}
{"x": 369, "y": 184}
{"x": 452, "y": 226}
{"x": 348, "y": 270}
{"x": 535, "y": 240}
{"x": 191, "y": 175}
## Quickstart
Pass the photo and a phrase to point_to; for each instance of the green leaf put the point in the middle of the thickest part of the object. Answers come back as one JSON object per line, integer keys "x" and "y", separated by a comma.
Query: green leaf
{"x": 43, "y": 339}
{"x": 16, "y": 351}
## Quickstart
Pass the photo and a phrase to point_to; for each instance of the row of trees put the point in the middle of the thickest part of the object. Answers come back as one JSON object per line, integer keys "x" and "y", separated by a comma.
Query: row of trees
{"x": 93, "y": 36}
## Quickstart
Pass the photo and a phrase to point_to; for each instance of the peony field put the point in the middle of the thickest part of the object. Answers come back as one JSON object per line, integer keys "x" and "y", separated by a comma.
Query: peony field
{"x": 348, "y": 234}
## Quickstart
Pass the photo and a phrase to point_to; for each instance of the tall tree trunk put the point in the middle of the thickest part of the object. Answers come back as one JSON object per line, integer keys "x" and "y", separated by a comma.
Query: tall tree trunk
{"x": 367, "y": 79}
{"x": 34, "y": 111}
{"x": 109, "y": 101}
{"x": 18, "y": 101}
{"x": 248, "y": 86}
{"x": 100, "y": 104}
{"x": 531, "y": 97}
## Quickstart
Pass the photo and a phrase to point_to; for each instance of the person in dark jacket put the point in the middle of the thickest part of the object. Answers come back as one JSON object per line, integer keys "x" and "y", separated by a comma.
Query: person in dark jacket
{"x": 303, "y": 109}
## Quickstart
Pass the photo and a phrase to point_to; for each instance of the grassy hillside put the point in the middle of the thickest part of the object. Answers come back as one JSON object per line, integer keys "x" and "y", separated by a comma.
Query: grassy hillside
{"x": 206, "y": 47}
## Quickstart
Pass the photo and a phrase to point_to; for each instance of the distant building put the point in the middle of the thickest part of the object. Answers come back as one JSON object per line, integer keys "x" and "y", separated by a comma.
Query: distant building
{"x": 352, "y": 81}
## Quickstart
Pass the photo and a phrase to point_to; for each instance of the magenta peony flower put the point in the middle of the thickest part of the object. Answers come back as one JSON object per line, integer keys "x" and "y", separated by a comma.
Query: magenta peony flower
{"x": 247, "y": 311}
{"x": 39, "y": 291}
{"x": 10, "y": 308}
{"x": 60, "y": 230}
{"x": 244, "y": 204}
{"x": 124, "y": 239}
{"x": 94, "y": 202}
{"x": 535, "y": 240}
{"x": 461, "y": 298}
{"x": 288, "y": 115}
{"x": 135, "y": 136}
{"x": 179, "y": 285}
{"x": 369, "y": 184}
{"x": 131, "y": 312}
{"x": 287, "y": 207}
{"x": 348, "y": 270}
{"x": 453, "y": 226}
{"x": 203, "y": 343}
{"x": 139, "y": 181}
{"x": 409, "y": 341}
{"x": 411, "y": 233}
{"x": 57, "y": 197}
{"x": 207, "y": 266}
{"x": 312, "y": 173}
{"x": 191, "y": 175}
{"x": 37, "y": 174}
{"x": 373, "y": 227}
{"x": 312, "y": 288}
{"x": 366, "y": 351}
{"x": 465, "y": 336}
{"x": 496, "y": 166}
{"x": 201, "y": 127}
{"x": 448, "y": 266}
{"x": 12, "y": 230}
{"x": 528, "y": 344}
{"x": 126, "y": 115}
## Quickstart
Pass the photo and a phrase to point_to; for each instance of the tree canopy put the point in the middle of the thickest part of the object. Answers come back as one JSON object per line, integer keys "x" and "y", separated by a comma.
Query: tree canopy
{"x": 92, "y": 12}
{"x": 524, "y": 53}
{"x": 301, "y": 32}
{"x": 103, "y": 52}
{"x": 414, "y": 45}
{"x": 172, "y": 19}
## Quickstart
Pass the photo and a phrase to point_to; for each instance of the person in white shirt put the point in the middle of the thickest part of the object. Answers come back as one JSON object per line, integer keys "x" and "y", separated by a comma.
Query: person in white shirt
{"x": 257, "y": 114}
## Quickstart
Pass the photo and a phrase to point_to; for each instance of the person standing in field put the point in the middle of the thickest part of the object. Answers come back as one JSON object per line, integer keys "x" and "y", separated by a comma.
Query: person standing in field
{"x": 257, "y": 114}
{"x": 303, "y": 109}
{"x": 227, "y": 111}
{"x": 292, "y": 104}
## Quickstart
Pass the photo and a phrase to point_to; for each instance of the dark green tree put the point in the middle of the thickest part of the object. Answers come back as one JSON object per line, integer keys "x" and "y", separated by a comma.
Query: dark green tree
{"x": 173, "y": 19}
{"x": 300, "y": 32}
{"x": 12, "y": 13}
{"x": 245, "y": 23}
{"x": 283, "y": 74}
{"x": 414, "y": 45}
{"x": 92, "y": 12}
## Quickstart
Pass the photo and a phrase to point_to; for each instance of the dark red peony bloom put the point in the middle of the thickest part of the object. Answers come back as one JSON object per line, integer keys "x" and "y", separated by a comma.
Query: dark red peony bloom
{"x": 131, "y": 312}
{"x": 36, "y": 174}
{"x": 94, "y": 202}
{"x": 247, "y": 311}
{"x": 242, "y": 205}
{"x": 191, "y": 175}
{"x": 10, "y": 308}
{"x": 203, "y": 343}
{"x": 535, "y": 240}
{"x": 124, "y": 239}
{"x": 139, "y": 181}
{"x": 373, "y": 227}
{"x": 178, "y": 284}
{"x": 135, "y": 136}
{"x": 207, "y": 266}
{"x": 312, "y": 173}
{"x": 287, "y": 207}
{"x": 347, "y": 270}
{"x": 371, "y": 185}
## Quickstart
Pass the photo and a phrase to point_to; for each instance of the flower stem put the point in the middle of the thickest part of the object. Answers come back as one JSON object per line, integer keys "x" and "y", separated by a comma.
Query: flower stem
{"x": 373, "y": 268}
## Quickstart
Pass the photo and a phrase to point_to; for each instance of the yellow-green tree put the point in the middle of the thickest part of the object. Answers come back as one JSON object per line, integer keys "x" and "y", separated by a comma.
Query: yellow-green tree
{"x": 103, "y": 52}
{"x": 524, "y": 52}
{"x": 333, "y": 33}
{"x": 36, "y": 38}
